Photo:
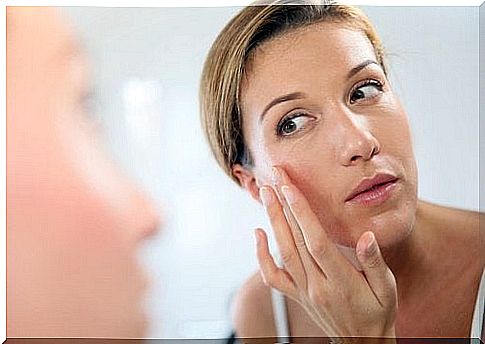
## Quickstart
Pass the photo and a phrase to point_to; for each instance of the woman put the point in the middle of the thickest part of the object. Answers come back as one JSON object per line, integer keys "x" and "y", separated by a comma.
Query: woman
{"x": 74, "y": 221}
{"x": 298, "y": 110}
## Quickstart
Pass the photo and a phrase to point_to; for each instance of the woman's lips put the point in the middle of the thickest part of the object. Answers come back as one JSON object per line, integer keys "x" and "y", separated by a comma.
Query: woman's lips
{"x": 373, "y": 191}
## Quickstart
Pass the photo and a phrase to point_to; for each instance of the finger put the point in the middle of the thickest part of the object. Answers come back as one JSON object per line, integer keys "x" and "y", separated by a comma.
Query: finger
{"x": 288, "y": 251}
{"x": 273, "y": 276}
{"x": 320, "y": 247}
{"x": 378, "y": 275}
{"x": 314, "y": 272}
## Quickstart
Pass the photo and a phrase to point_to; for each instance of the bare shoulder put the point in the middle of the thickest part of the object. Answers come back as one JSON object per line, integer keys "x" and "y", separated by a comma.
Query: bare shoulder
{"x": 252, "y": 311}
{"x": 463, "y": 223}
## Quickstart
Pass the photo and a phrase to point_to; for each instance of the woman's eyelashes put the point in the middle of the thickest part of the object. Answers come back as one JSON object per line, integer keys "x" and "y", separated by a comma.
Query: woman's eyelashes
{"x": 366, "y": 91}
{"x": 292, "y": 124}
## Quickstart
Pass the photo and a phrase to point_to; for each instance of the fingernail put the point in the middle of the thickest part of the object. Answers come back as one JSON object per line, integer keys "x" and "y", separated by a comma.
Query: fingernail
{"x": 288, "y": 193}
{"x": 266, "y": 196}
{"x": 371, "y": 245}
{"x": 276, "y": 176}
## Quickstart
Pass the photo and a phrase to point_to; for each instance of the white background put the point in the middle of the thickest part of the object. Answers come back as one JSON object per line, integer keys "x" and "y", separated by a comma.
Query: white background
{"x": 146, "y": 67}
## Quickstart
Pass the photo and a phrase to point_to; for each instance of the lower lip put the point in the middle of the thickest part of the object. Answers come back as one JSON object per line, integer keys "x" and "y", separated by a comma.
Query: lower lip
{"x": 375, "y": 196}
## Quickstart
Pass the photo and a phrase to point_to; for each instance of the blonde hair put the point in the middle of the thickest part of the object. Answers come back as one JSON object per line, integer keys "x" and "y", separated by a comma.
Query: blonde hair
{"x": 227, "y": 63}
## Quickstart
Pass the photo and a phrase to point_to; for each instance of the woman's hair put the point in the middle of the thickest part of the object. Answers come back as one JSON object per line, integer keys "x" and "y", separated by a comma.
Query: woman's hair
{"x": 230, "y": 54}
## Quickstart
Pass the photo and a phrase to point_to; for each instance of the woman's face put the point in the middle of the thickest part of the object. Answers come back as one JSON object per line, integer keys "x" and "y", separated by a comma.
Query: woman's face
{"x": 74, "y": 222}
{"x": 317, "y": 103}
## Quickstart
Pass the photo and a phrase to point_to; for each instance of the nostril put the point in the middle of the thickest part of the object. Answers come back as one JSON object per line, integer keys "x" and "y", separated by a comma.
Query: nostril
{"x": 354, "y": 158}
{"x": 375, "y": 151}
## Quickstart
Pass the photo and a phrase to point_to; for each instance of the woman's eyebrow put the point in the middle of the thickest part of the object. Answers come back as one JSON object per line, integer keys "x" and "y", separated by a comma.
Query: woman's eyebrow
{"x": 359, "y": 67}
{"x": 285, "y": 98}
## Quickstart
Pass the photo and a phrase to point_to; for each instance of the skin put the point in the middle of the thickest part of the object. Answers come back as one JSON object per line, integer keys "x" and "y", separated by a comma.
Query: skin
{"x": 339, "y": 137}
{"x": 74, "y": 220}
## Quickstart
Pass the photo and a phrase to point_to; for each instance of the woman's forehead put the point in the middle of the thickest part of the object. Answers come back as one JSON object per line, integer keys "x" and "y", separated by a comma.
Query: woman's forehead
{"x": 323, "y": 52}
{"x": 322, "y": 43}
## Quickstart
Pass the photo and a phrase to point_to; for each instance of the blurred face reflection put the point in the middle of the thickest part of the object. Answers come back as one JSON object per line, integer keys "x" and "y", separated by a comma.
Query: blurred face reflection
{"x": 74, "y": 222}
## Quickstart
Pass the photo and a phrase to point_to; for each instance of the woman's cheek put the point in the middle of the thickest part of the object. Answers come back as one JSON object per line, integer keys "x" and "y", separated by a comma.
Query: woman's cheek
{"x": 394, "y": 121}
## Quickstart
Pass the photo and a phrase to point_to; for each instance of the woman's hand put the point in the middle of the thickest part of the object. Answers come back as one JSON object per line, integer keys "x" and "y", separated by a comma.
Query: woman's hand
{"x": 343, "y": 301}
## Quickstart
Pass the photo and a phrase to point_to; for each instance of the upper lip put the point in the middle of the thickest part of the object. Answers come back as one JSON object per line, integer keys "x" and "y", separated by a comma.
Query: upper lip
{"x": 368, "y": 183}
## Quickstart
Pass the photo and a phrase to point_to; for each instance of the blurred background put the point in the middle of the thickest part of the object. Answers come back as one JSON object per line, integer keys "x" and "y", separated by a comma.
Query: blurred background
{"x": 146, "y": 64}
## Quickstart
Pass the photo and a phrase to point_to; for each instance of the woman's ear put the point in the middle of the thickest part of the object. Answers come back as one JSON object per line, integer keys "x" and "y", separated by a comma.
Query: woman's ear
{"x": 247, "y": 180}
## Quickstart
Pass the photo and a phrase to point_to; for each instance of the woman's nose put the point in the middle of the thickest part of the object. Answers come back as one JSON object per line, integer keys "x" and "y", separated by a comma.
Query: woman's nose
{"x": 146, "y": 214}
{"x": 153, "y": 219}
{"x": 357, "y": 142}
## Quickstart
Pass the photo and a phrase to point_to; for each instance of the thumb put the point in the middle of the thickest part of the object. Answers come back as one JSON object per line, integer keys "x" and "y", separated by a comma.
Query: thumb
{"x": 378, "y": 275}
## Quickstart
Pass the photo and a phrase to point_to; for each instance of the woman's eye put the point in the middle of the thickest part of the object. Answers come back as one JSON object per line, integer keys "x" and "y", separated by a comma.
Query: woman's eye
{"x": 367, "y": 91}
{"x": 291, "y": 125}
